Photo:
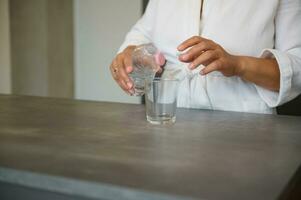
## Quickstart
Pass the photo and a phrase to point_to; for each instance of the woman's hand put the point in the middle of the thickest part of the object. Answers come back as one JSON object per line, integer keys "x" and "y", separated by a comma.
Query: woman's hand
{"x": 209, "y": 54}
{"x": 120, "y": 68}
{"x": 260, "y": 71}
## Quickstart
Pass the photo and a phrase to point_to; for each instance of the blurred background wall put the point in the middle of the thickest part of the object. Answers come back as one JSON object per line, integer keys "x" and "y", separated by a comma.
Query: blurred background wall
{"x": 5, "y": 67}
{"x": 63, "y": 48}
{"x": 100, "y": 28}
{"x": 42, "y": 47}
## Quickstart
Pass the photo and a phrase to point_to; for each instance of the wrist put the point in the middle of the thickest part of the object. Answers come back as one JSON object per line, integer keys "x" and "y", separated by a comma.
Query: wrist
{"x": 240, "y": 66}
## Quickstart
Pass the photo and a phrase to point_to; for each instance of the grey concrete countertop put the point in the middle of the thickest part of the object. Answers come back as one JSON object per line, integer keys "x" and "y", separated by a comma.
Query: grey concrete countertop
{"x": 108, "y": 151}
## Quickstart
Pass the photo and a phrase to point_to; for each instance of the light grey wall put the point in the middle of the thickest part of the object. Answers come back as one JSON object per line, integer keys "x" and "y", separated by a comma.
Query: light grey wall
{"x": 29, "y": 46}
{"x": 60, "y": 48}
{"x": 100, "y": 28}
{"x": 42, "y": 47}
{"x": 5, "y": 68}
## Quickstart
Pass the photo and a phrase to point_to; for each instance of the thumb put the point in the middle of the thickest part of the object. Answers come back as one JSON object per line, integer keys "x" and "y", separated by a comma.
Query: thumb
{"x": 127, "y": 61}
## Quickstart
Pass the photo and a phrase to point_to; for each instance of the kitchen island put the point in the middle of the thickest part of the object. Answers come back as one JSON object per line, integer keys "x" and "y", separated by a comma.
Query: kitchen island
{"x": 69, "y": 149}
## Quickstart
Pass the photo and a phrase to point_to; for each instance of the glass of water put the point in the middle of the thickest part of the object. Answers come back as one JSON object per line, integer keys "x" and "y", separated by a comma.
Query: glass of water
{"x": 161, "y": 100}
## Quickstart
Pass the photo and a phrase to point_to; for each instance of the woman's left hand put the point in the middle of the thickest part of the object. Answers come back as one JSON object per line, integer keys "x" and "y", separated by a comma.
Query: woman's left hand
{"x": 209, "y": 54}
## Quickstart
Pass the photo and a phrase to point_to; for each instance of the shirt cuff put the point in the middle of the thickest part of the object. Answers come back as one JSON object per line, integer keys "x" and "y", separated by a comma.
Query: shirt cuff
{"x": 271, "y": 98}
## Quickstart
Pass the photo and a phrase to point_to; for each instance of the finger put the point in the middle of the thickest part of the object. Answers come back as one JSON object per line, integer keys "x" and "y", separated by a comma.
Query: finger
{"x": 214, "y": 66}
{"x": 120, "y": 82}
{"x": 123, "y": 75}
{"x": 128, "y": 91}
{"x": 114, "y": 69}
{"x": 115, "y": 75}
{"x": 160, "y": 70}
{"x": 197, "y": 50}
{"x": 119, "y": 74}
{"x": 189, "y": 42}
{"x": 127, "y": 63}
{"x": 123, "y": 85}
{"x": 204, "y": 59}
{"x": 129, "y": 69}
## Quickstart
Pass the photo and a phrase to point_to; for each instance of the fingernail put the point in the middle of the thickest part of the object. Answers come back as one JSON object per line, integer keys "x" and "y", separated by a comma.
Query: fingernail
{"x": 131, "y": 92}
{"x": 190, "y": 66}
{"x": 129, "y": 84}
{"x": 184, "y": 56}
{"x": 128, "y": 68}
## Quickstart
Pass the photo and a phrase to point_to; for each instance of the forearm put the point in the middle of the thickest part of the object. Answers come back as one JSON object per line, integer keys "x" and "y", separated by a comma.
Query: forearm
{"x": 263, "y": 72}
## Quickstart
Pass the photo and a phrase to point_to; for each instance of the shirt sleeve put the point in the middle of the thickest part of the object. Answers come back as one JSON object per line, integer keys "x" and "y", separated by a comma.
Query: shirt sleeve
{"x": 287, "y": 52}
{"x": 141, "y": 31}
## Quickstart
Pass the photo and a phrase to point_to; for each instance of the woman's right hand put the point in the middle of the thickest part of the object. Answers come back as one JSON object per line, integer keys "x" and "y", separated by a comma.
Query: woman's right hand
{"x": 120, "y": 68}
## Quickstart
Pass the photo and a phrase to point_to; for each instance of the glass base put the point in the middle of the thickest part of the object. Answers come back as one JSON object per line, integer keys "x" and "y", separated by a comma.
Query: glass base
{"x": 163, "y": 119}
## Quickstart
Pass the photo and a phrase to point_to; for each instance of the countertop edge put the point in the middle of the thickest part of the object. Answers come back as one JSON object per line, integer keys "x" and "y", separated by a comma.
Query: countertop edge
{"x": 80, "y": 188}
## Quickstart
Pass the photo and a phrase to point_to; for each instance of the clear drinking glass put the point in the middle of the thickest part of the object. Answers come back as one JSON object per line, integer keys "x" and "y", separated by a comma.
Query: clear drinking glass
{"x": 161, "y": 100}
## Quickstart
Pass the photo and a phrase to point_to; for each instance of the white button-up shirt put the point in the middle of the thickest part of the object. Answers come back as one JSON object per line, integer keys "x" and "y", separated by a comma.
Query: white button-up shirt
{"x": 269, "y": 28}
